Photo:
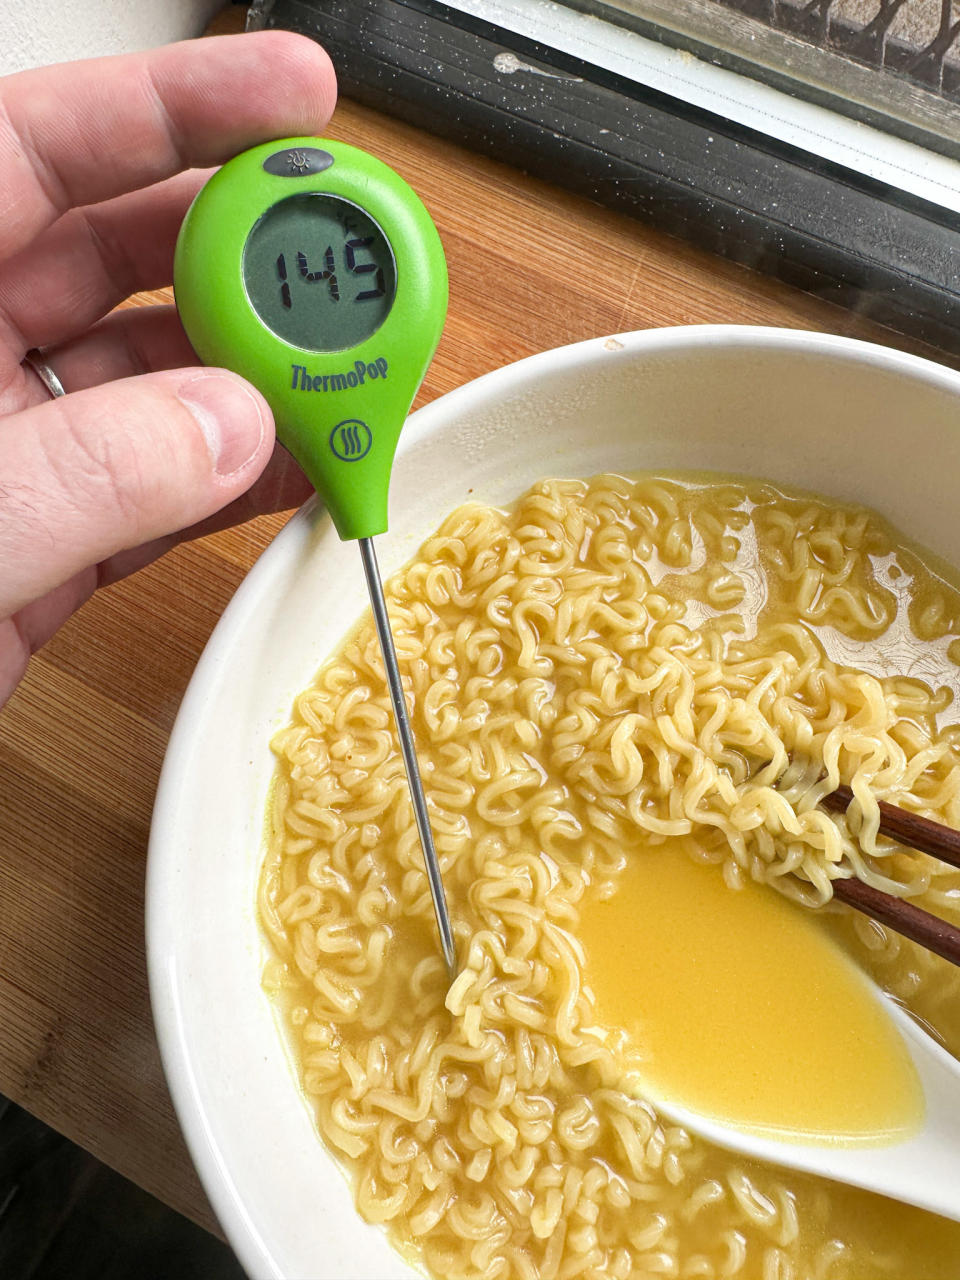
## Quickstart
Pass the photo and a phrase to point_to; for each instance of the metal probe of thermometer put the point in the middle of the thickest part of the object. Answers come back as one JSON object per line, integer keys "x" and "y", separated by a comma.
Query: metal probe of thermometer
{"x": 312, "y": 269}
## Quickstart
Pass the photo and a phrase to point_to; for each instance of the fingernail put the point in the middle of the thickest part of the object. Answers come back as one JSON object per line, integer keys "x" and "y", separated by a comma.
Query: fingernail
{"x": 229, "y": 415}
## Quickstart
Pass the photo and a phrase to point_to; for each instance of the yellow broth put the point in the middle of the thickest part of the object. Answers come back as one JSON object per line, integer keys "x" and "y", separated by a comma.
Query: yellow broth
{"x": 738, "y": 1006}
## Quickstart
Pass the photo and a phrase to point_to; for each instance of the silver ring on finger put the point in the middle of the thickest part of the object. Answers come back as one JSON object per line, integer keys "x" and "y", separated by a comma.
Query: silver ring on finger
{"x": 34, "y": 358}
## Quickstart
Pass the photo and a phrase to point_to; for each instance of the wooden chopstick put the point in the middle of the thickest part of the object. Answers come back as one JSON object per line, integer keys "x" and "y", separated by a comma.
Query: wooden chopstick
{"x": 905, "y": 827}
{"x": 902, "y": 916}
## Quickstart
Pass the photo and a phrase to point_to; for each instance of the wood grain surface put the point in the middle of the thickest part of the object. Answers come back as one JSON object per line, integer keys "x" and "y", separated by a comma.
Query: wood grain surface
{"x": 82, "y": 740}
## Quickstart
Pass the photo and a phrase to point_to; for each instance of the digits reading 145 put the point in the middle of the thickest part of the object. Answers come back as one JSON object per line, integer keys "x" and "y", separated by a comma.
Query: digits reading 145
{"x": 320, "y": 272}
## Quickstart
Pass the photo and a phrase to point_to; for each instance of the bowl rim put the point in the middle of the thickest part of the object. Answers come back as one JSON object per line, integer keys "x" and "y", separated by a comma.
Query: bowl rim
{"x": 161, "y": 931}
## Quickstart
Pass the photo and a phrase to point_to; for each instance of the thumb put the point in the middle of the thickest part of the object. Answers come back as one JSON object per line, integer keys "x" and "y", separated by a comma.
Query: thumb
{"x": 103, "y": 470}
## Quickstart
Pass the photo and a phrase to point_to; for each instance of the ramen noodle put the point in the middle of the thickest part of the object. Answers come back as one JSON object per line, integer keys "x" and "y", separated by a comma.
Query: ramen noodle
{"x": 609, "y": 666}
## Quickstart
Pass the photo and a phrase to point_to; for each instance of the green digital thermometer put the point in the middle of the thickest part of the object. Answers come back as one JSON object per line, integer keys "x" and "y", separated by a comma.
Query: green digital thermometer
{"x": 313, "y": 270}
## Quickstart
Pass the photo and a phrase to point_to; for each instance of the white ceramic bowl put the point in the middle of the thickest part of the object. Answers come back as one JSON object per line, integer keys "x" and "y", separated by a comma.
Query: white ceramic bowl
{"x": 840, "y": 417}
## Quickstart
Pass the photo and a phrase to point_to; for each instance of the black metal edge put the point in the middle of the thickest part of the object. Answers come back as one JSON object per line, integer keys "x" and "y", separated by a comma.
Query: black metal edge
{"x": 811, "y": 91}
{"x": 815, "y": 225}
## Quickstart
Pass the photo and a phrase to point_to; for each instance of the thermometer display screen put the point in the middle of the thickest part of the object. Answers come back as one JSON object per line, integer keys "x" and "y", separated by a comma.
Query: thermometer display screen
{"x": 319, "y": 272}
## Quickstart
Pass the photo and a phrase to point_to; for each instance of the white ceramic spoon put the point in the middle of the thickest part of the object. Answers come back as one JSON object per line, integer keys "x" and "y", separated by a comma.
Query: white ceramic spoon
{"x": 923, "y": 1170}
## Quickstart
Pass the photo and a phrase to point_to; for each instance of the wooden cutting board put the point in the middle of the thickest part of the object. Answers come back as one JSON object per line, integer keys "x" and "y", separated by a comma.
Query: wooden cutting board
{"x": 81, "y": 742}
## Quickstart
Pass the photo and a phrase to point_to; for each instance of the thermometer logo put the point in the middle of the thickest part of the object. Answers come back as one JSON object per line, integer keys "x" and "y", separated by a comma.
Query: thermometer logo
{"x": 351, "y": 440}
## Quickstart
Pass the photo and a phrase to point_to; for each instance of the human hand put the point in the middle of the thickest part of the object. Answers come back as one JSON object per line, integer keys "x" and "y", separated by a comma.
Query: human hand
{"x": 99, "y": 161}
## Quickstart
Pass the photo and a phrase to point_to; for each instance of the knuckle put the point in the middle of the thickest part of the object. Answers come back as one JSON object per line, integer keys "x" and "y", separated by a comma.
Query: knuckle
{"x": 168, "y": 127}
{"x": 93, "y": 465}
{"x": 117, "y": 269}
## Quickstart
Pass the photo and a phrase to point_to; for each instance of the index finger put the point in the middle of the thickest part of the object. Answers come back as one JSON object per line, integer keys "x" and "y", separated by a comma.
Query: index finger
{"x": 81, "y": 132}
